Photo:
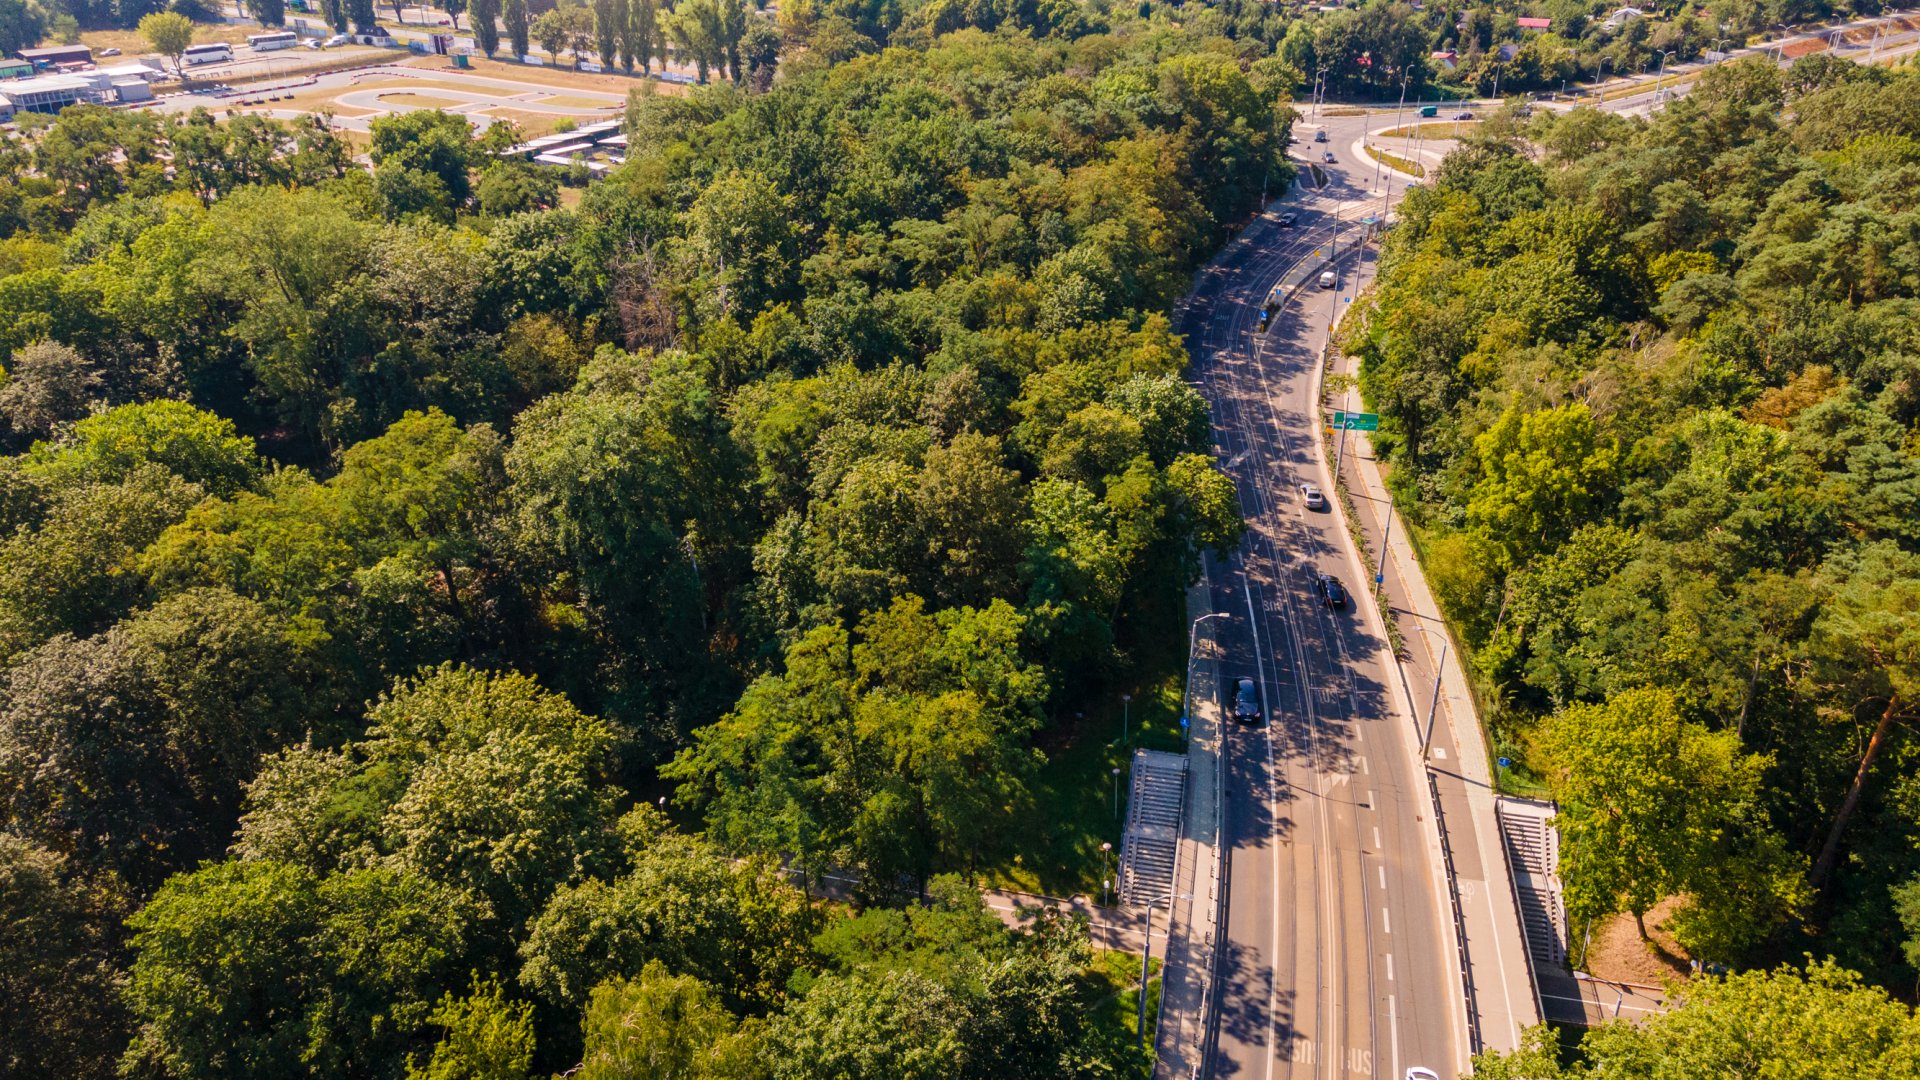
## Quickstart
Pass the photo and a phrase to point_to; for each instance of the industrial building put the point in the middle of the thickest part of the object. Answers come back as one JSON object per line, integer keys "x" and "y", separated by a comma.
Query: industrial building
{"x": 56, "y": 55}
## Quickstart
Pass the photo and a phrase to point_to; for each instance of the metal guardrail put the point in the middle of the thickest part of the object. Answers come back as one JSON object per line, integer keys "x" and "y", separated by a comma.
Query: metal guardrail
{"x": 1459, "y": 918}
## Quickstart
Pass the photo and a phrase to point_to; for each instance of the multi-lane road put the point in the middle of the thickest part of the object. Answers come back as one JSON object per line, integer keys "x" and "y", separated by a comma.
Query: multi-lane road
{"x": 1336, "y": 959}
{"x": 1338, "y": 951}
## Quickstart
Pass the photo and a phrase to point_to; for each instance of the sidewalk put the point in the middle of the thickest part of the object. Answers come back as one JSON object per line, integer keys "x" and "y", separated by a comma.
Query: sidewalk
{"x": 1503, "y": 985}
{"x": 1186, "y": 983}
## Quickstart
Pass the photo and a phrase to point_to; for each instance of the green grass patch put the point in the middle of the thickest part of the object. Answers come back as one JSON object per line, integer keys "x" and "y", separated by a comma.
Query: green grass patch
{"x": 1450, "y": 129}
{"x": 1398, "y": 163}
{"x": 1115, "y": 983}
{"x": 1057, "y": 844}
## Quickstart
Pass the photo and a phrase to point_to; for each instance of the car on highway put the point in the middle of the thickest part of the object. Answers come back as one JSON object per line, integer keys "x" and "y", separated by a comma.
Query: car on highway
{"x": 1329, "y": 279}
{"x": 1463, "y": 116}
{"x": 1331, "y": 592}
{"x": 1288, "y": 219}
{"x": 1328, "y": 157}
{"x": 1312, "y": 497}
{"x": 1246, "y": 701}
{"x": 1320, "y": 136}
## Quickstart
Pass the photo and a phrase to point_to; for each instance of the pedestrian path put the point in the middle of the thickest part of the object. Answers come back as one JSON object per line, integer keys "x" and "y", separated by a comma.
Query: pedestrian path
{"x": 1193, "y": 909}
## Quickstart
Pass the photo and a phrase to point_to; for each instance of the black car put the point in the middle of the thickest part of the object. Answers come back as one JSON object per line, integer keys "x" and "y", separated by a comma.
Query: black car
{"x": 1246, "y": 701}
{"x": 1331, "y": 593}
{"x": 1463, "y": 116}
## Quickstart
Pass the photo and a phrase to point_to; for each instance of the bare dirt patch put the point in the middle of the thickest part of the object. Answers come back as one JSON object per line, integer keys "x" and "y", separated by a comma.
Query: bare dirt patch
{"x": 1618, "y": 954}
{"x": 422, "y": 101}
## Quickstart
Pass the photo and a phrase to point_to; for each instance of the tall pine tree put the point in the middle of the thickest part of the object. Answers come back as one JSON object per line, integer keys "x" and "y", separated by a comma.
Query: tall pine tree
{"x": 485, "y": 17}
{"x": 514, "y": 14}
{"x": 609, "y": 22}
{"x": 642, "y": 36}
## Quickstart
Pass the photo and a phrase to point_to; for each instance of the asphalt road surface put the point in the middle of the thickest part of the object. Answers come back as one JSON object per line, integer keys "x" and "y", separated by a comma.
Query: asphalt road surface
{"x": 1334, "y": 963}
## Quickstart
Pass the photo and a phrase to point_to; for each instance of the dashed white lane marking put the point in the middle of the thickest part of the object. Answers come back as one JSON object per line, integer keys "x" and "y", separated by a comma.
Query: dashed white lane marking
{"x": 1386, "y": 920}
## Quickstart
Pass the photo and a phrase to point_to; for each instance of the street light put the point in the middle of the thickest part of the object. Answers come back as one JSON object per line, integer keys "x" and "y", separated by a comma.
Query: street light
{"x": 1660, "y": 74}
{"x": 1146, "y": 954}
{"x": 1106, "y": 869}
{"x": 1116, "y": 792}
{"x": 1126, "y": 717}
{"x": 1433, "y": 707}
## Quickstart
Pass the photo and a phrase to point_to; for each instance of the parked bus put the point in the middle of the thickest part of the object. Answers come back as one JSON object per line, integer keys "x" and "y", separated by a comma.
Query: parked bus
{"x": 286, "y": 39}
{"x": 218, "y": 53}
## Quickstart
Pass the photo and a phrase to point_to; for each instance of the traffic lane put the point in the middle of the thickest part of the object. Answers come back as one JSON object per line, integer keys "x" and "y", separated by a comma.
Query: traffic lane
{"x": 1261, "y": 1008}
{"x": 1258, "y": 1002}
{"x": 1358, "y": 658}
{"x": 1327, "y": 882}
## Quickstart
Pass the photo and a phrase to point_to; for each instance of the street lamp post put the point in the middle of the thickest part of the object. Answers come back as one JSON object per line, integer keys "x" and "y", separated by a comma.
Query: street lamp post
{"x": 1106, "y": 870}
{"x": 1146, "y": 954}
{"x": 1659, "y": 75}
{"x": 1126, "y": 718}
{"x": 1433, "y": 707}
{"x": 1116, "y": 792}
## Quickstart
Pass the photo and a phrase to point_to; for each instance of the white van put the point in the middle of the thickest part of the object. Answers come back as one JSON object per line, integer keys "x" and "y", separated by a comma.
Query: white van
{"x": 1328, "y": 279}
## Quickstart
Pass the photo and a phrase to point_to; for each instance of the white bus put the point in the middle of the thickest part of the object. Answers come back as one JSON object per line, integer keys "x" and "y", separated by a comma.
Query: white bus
{"x": 218, "y": 53}
{"x": 268, "y": 42}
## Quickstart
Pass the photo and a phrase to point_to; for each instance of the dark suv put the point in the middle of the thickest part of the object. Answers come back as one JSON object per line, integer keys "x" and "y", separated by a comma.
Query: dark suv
{"x": 1331, "y": 593}
{"x": 1246, "y": 701}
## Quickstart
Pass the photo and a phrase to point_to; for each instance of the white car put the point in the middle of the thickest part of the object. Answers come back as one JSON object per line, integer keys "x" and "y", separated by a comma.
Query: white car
{"x": 1312, "y": 497}
{"x": 109, "y": 52}
{"x": 336, "y": 41}
{"x": 1418, "y": 1073}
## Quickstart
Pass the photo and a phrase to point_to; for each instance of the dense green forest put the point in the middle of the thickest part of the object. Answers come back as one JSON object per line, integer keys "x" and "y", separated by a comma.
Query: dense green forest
{"x": 372, "y": 540}
{"x": 1652, "y": 391}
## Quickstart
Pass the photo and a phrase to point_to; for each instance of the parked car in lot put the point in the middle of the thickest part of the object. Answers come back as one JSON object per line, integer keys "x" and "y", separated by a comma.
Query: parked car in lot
{"x": 1246, "y": 701}
{"x": 336, "y": 41}
{"x": 1331, "y": 592}
{"x": 1312, "y": 497}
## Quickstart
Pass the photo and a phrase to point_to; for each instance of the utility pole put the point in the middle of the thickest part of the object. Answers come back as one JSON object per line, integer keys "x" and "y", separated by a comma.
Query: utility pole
{"x": 1426, "y": 743}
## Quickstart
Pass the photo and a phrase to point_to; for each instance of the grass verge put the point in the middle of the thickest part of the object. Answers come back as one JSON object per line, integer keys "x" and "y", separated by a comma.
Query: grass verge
{"x": 1056, "y": 843}
{"x": 1114, "y": 979}
{"x": 1451, "y": 129}
{"x": 1397, "y": 163}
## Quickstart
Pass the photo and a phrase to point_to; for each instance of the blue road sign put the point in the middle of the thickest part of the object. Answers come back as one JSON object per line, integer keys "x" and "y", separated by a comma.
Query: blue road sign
{"x": 1505, "y": 762}
{"x": 1378, "y": 578}
{"x": 1183, "y": 721}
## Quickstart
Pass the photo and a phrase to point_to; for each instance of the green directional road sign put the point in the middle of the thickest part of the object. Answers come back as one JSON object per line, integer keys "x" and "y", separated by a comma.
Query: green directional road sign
{"x": 1356, "y": 421}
